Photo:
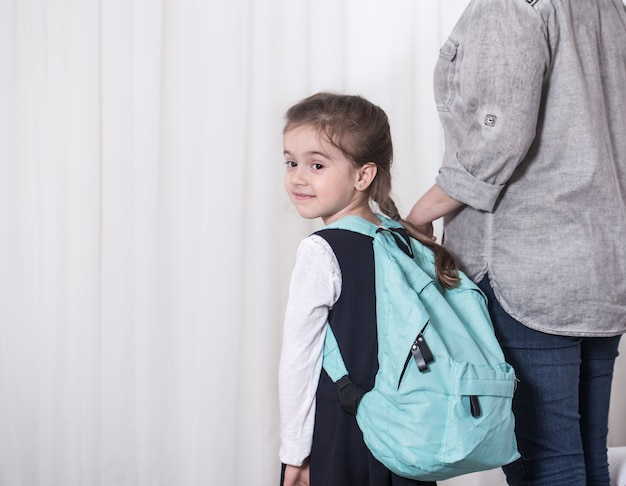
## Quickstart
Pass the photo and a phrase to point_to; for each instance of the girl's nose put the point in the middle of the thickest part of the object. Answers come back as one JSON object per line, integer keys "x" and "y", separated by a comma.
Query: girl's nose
{"x": 298, "y": 177}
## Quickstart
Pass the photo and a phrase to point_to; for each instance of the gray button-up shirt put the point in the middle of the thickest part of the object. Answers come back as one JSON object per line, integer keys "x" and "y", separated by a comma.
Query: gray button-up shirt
{"x": 532, "y": 98}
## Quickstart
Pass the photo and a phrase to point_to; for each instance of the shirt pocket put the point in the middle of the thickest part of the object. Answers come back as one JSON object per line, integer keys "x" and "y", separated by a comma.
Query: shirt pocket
{"x": 445, "y": 72}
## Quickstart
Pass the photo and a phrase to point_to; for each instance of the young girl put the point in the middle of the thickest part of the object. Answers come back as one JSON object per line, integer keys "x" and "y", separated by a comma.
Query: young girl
{"x": 338, "y": 154}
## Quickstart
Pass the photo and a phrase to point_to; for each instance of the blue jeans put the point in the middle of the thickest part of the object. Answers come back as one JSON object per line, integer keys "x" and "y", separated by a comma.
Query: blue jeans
{"x": 561, "y": 403}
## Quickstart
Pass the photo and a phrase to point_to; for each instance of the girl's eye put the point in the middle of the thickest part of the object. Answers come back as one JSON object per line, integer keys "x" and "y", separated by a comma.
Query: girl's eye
{"x": 317, "y": 166}
{"x": 291, "y": 164}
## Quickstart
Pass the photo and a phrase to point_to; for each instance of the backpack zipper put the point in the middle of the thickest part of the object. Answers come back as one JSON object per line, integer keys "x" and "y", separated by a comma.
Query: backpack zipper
{"x": 420, "y": 352}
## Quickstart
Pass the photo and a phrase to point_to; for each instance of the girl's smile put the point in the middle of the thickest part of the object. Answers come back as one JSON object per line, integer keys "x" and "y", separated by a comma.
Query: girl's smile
{"x": 321, "y": 181}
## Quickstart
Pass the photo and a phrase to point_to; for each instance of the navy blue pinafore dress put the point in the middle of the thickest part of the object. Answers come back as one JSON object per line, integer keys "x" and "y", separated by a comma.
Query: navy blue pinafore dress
{"x": 339, "y": 457}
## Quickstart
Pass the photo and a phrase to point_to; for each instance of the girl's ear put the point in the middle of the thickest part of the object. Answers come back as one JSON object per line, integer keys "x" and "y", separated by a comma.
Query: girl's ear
{"x": 366, "y": 176}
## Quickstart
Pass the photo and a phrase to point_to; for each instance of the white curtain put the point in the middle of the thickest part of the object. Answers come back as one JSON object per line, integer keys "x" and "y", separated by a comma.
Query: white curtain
{"x": 145, "y": 240}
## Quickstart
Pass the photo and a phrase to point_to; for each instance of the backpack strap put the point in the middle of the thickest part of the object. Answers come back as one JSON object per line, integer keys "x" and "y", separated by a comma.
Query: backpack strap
{"x": 350, "y": 394}
{"x": 402, "y": 237}
{"x": 333, "y": 362}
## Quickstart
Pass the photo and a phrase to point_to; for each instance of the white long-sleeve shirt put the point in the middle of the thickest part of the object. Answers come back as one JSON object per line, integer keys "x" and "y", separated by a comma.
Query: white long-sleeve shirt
{"x": 315, "y": 287}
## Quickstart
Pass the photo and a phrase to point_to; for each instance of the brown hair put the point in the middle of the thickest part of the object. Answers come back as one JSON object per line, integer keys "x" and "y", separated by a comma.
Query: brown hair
{"x": 361, "y": 131}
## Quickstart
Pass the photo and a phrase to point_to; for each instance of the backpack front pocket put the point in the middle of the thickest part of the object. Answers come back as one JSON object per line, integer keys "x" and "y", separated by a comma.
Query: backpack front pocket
{"x": 479, "y": 406}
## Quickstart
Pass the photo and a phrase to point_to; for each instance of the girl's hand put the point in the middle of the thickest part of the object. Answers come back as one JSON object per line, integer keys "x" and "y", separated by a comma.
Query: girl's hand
{"x": 297, "y": 475}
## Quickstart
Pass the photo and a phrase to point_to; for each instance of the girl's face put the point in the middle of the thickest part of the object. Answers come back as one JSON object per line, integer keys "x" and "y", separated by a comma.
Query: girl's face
{"x": 320, "y": 180}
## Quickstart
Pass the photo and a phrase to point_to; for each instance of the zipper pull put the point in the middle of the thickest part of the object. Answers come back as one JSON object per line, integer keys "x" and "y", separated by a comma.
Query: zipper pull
{"x": 475, "y": 406}
{"x": 421, "y": 353}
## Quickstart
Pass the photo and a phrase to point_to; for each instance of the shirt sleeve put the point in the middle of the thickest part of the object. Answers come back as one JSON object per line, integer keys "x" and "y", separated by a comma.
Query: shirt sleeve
{"x": 502, "y": 56}
{"x": 315, "y": 287}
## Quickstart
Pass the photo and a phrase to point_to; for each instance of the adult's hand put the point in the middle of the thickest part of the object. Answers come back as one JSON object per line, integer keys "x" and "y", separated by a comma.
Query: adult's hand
{"x": 426, "y": 229}
{"x": 431, "y": 206}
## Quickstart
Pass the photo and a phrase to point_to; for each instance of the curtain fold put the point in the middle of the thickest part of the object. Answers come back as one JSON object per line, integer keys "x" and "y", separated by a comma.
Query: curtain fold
{"x": 146, "y": 241}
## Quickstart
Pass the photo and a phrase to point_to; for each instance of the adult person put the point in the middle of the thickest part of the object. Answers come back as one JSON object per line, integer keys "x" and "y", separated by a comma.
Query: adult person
{"x": 532, "y": 99}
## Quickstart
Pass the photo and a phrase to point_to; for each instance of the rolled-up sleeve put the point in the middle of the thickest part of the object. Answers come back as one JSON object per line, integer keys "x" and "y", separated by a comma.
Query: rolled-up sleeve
{"x": 498, "y": 70}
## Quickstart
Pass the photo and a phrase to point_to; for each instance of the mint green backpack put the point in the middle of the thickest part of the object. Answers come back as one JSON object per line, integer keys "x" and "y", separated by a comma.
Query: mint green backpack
{"x": 441, "y": 402}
